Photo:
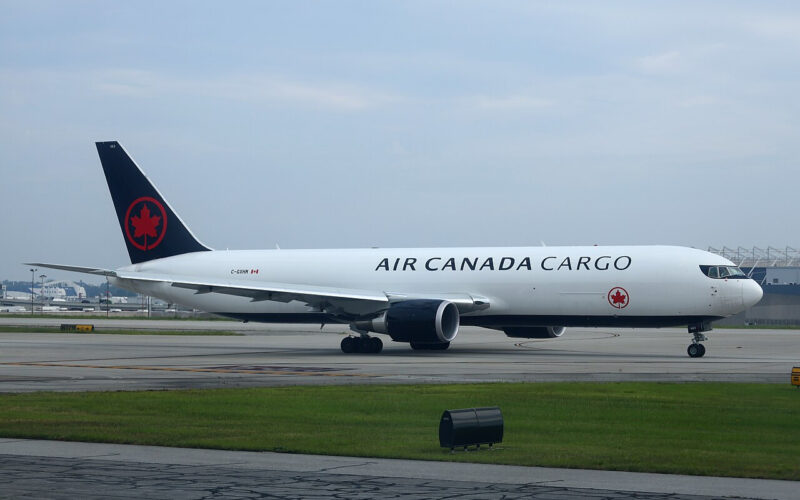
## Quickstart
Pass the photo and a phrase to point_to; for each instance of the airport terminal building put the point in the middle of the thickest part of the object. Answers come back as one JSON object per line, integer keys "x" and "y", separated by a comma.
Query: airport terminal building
{"x": 777, "y": 270}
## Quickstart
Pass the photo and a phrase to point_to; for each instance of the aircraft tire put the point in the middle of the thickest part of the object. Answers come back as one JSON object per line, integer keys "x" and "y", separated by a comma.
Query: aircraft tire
{"x": 349, "y": 345}
{"x": 375, "y": 345}
{"x": 696, "y": 350}
{"x": 364, "y": 345}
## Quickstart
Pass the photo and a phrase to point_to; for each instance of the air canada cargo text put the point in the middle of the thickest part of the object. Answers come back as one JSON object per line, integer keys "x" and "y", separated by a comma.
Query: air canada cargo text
{"x": 552, "y": 263}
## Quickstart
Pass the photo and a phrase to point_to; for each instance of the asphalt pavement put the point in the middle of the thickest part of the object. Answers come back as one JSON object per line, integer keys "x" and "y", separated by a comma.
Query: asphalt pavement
{"x": 61, "y": 470}
{"x": 270, "y": 355}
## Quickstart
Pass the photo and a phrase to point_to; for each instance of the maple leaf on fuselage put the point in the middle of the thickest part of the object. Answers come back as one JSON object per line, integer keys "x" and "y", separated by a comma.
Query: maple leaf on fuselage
{"x": 145, "y": 224}
{"x": 618, "y": 298}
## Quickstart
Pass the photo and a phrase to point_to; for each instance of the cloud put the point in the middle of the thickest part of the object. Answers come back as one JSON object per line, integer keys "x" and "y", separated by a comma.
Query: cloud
{"x": 242, "y": 87}
{"x": 253, "y": 88}
{"x": 696, "y": 101}
{"x": 786, "y": 28}
{"x": 518, "y": 102}
{"x": 705, "y": 59}
{"x": 664, "y": 63}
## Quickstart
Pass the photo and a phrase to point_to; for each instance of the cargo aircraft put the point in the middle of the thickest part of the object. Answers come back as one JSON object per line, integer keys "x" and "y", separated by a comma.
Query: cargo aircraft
{"x": 417, "y": 295}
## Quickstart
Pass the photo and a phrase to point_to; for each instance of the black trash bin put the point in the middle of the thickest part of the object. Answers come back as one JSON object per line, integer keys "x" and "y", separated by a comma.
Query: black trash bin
{"x": 470, "y": 426}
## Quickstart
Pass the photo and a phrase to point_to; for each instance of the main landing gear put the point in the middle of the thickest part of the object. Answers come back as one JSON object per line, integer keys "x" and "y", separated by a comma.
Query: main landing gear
{"x": 363, "y": 344}
{"x": 696, "y": 349}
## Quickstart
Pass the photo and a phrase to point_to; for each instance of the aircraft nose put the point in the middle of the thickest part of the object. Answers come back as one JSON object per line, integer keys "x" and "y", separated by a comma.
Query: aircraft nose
{"x": 751, "y": 293}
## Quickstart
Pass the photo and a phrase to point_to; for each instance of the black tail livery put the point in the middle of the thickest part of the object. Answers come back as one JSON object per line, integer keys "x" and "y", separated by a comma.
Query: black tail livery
{"x": 152, "y": 230}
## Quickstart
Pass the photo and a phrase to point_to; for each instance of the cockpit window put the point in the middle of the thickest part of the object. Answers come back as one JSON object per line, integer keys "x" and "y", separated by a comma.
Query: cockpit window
{"x": 723, "y": 272}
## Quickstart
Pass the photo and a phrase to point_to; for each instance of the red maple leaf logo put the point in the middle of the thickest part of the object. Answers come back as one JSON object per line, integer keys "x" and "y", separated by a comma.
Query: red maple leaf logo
{"x": 146, "y": 225}
{"x": 618, "y": 298}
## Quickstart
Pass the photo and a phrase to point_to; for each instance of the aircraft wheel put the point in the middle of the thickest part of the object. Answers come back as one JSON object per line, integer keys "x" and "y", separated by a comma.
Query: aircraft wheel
{"x": 376, "y": 345}
{"x": 696, "y": 350}
{"x": 364, "y": 345}
{"x": 349, "y": 345}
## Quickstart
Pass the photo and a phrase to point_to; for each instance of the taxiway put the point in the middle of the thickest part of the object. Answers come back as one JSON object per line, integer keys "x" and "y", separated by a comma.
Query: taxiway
{"x": 270, "y": 355}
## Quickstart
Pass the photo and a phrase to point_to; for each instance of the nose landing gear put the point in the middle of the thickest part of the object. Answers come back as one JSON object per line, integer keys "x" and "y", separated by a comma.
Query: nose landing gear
{"x": 696, "y": 349}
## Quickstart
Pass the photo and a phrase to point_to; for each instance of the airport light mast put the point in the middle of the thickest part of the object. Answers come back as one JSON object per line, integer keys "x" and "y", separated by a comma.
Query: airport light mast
{"x": 33, "y": 270}
{"x": 41, "y": 292}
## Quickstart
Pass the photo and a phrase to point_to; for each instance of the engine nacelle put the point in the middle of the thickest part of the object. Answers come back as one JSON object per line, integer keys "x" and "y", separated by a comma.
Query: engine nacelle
{"x": 534, "y": 332}
{"x": 422, "y": 321}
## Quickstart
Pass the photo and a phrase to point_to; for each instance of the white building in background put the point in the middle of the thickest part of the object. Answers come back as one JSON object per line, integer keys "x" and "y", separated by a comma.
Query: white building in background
{"x": 782, "y": 276}
{"x": 66, "y": 290}
{"x": 11, "y": 295}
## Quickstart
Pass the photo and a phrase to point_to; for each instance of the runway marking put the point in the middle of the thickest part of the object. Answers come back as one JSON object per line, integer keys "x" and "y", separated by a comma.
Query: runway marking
{"x": 250, "y": 369}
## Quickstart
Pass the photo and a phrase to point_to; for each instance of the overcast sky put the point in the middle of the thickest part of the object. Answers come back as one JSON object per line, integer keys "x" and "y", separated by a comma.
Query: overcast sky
{"x": 352, "y": 124}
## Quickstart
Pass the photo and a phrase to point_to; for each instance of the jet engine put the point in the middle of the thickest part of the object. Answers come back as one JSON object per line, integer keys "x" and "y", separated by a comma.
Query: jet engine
{"x": 420, "y": 322}
{"x": 534, "y": 332}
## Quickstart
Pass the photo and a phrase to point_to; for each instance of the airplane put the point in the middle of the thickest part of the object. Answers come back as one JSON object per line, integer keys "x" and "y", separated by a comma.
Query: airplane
{"x": 418, "y": 296}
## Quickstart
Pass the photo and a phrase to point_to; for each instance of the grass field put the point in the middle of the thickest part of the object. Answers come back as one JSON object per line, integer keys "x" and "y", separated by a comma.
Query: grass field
{"x": 112, "y": 331}
{"x": 747, "y": 430}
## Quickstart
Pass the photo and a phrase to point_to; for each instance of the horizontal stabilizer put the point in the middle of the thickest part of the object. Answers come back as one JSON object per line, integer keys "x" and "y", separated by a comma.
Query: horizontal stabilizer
{"x": 76, "y": 269}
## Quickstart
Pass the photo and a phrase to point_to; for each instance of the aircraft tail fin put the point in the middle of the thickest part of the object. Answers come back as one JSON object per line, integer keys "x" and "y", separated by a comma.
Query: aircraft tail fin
{"x": 151, "y": 229}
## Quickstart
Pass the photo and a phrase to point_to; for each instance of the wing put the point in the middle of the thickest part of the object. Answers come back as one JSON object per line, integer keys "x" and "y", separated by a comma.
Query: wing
{"x": 345, "y": 303}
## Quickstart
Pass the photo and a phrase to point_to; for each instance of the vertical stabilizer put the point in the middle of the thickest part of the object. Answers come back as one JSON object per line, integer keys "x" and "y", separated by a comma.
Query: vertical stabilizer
{"x": 151, "y": 229}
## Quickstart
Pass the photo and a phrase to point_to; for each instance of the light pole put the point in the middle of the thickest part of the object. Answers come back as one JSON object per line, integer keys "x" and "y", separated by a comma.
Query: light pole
{"x": 33, "y": 270}
{"x": 41, "y": 292}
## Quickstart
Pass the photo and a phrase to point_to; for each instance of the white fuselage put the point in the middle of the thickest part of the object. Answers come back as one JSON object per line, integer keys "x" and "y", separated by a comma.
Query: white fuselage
{"x": 662, "y": 285}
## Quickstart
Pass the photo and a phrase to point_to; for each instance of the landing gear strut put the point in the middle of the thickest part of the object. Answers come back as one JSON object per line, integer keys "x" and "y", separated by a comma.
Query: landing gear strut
{"x": 696, "y": 349}
{"x": 363, "y": 344}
